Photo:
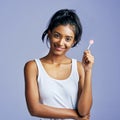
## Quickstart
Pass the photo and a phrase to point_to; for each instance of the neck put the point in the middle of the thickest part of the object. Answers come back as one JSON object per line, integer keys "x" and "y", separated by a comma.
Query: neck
{"x": 55, "y": 58}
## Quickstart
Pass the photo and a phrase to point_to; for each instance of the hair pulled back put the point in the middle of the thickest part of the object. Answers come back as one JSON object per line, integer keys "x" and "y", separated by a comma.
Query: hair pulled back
{"x": 65, "y": 17}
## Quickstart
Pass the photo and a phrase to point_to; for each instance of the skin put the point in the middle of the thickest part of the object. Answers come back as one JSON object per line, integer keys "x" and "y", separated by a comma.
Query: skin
{"x": 61, "y": 40}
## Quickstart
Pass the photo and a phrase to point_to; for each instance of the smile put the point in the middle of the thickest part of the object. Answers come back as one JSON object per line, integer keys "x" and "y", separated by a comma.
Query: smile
{"x": 58, "y": 48}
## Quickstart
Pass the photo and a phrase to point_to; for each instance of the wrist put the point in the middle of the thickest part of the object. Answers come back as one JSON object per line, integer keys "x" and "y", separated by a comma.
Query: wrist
{"x": 76, "y": 115}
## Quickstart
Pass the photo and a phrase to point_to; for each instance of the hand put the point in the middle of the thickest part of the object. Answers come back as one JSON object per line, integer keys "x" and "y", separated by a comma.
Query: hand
{"x": 87, "y": 60}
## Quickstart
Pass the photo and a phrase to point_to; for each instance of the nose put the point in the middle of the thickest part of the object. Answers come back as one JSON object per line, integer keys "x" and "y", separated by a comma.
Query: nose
{"x": 61, "y": 41}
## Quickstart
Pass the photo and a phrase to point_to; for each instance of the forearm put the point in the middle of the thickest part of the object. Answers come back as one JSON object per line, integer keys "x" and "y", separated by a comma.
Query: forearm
{"x": 51, "y": 112}
{"x": 85, "y": 100}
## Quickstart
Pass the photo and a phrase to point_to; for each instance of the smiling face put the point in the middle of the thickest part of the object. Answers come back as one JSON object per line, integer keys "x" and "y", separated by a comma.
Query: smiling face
{"x": 61, "y": 39}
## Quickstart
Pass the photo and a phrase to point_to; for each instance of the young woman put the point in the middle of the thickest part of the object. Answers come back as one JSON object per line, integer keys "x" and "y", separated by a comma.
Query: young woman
{"x": 56, "y": 86}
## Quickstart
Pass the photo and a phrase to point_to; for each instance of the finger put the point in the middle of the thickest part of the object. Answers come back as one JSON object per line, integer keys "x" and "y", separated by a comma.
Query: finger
{"x": 88, "y": 59}
{"x": 87, "y": 51}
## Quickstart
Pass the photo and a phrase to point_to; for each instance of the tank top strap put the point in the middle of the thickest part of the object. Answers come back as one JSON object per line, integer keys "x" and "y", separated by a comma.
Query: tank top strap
{"x": 37, "y": 61}
{"x": 75, "y": 69}
{"x": 74, "y": 65}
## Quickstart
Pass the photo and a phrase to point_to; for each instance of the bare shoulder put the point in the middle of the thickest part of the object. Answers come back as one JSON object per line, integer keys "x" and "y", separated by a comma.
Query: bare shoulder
{"x": 30, "y": 68}
{"x": 81, "y": 74}
{"x": 80, "y": 68}
{"x": 79, "y": 65}
{"x": 30, "y": 65}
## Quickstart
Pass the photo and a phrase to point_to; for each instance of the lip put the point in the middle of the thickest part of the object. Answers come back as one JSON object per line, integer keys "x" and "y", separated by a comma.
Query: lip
{"x": 58, "y": 48}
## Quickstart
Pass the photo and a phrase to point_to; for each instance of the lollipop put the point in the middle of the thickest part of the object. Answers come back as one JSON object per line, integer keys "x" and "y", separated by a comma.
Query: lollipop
{"x": 90, "y": 43}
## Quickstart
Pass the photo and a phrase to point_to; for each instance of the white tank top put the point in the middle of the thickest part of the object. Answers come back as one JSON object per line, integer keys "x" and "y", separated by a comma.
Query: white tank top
{"x": 58, "y": 93}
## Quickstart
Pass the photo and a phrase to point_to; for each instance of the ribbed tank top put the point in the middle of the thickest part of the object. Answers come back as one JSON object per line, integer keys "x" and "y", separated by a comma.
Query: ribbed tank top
{"x": 58, "y": 93}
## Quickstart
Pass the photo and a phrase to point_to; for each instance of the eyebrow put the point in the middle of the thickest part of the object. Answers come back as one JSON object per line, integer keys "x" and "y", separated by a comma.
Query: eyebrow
{"x": 61, "y": 34}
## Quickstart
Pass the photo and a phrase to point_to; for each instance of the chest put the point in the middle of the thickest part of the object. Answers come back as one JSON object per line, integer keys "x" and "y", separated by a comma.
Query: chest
{"x": 58, "y": 71}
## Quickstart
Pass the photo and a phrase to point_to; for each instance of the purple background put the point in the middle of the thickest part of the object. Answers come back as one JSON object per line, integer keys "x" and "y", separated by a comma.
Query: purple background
{"x": 21, "y": 25}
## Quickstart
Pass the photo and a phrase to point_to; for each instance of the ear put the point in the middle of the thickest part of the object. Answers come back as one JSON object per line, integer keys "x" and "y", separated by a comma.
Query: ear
{"x": 49, "y": 34}
{"x": 73, "y": 43}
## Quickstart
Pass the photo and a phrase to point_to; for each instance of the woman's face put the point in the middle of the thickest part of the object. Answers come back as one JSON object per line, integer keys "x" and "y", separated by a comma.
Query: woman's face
{"x": 61, "y": 39}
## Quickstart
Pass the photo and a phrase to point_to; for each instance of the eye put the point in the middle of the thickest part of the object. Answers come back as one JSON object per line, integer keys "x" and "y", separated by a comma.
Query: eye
{"x": 56, "y": 35}
{"x": 68, "y": 39}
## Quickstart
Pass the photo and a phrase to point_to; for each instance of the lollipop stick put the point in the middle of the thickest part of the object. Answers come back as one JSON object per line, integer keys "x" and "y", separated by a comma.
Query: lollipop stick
{"x": 88, "y": 46}
{"x": 90, "y": 43}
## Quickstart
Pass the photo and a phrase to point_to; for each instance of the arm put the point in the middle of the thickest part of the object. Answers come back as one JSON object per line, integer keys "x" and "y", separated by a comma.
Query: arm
{"x": 85, "y": 84}
{"x": 33, "y": 98}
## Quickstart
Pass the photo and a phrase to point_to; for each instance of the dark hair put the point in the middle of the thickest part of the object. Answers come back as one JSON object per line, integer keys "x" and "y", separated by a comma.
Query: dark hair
{"x": 64, "y": 17}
